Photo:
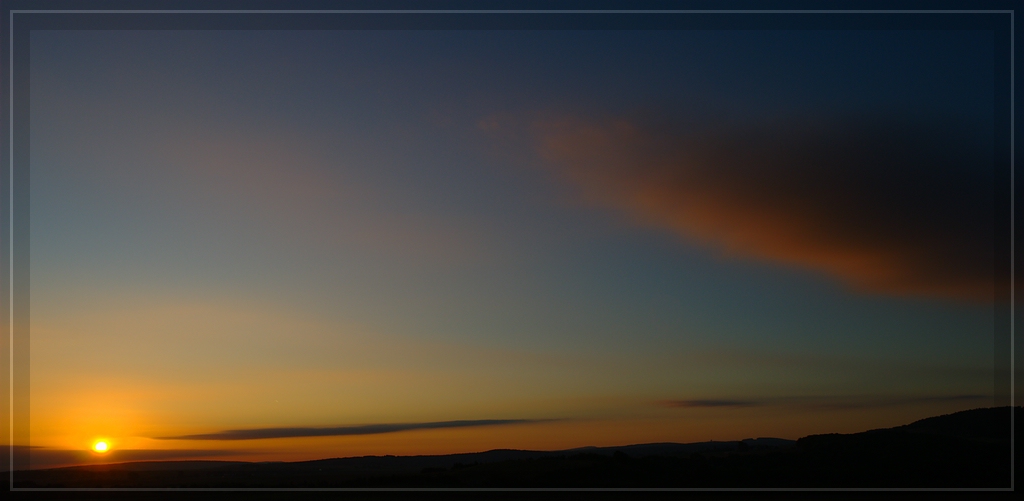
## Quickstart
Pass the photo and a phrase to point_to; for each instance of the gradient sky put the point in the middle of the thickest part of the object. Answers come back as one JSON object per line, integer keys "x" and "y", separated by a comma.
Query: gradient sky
{"x": 550, "y": 238}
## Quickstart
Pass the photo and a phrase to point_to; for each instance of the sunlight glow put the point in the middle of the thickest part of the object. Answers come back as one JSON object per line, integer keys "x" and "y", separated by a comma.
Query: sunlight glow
{"x": 100, "y": 446}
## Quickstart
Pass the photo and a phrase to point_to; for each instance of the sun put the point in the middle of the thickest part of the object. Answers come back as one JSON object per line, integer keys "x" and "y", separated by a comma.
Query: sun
{"x": 100, "y": 446}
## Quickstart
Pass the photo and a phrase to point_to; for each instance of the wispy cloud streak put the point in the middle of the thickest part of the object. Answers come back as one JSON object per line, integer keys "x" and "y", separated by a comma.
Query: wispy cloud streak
{"x": 709, "y": 403}
{"x": 825, "y": 402}
{"x": 887, "y": 204}
{"x": 369, "y": 429}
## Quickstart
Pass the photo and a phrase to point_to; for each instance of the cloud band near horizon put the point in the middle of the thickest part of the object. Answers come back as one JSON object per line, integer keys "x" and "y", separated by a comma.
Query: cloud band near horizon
{"x": 369, "y": 429}
{"x": 892, "y": 205}
{"x": 848, "y": 402}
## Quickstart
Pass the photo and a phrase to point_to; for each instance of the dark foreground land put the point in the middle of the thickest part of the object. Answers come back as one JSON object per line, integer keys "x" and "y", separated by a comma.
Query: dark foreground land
{"x": 966, "y": 449}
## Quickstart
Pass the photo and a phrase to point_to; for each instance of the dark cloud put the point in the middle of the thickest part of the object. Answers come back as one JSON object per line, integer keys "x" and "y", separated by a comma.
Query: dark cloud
{"x": 708, "y": 403}
{"x": 890, "y": 205}
{"x": 844, "y": 402}
{"x": 368, "y": 429}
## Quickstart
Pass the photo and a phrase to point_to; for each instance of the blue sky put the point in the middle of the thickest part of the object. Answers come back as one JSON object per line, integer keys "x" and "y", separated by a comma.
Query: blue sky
{"x": 434, "y": 206}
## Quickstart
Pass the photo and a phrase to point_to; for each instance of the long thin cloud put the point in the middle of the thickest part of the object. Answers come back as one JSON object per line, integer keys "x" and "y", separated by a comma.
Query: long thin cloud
{"x": 887, "y": 204}
{"x": 709, "y": 403}
{"x": 822, "y": 402}
{"x": 369, "y": 429}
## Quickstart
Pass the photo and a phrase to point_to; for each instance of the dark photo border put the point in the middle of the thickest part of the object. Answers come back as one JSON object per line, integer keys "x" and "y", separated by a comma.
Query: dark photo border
{"x": 21, "y": 17}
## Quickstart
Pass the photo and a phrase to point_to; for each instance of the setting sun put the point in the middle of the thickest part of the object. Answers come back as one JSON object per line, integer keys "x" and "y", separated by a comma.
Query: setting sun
{"x": 100, "y": 446}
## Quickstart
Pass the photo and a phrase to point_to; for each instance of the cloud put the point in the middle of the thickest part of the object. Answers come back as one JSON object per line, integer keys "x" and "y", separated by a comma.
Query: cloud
{"x": 368, "y": 429}
{"x": 845, "y": 402}
{"x": 892, "y": 205}
{"x": 708, "y": 403}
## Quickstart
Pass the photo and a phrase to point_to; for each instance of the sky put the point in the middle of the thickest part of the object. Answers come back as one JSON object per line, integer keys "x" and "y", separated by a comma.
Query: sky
{"x": 285, "y": 245}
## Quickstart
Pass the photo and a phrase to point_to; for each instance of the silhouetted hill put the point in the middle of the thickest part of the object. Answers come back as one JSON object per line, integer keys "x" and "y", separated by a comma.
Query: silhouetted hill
{"x": 954, "y": 449}
{"x": 979, "y": 424}
{"x": 965, "y": 449}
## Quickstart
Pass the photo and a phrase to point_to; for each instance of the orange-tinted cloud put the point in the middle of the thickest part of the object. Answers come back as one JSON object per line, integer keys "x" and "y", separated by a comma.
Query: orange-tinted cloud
{"x": 886, "y": 205}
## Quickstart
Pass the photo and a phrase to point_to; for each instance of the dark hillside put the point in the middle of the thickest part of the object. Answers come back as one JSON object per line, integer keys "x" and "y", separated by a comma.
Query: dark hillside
{"x": 967, "y": 449}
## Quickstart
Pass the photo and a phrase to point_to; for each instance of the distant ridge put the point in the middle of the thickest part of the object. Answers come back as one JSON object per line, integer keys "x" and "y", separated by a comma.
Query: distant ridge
{"x": 964, "y": 449}
{"x": 371, "y": 464}
{"x": 202, "y": 464}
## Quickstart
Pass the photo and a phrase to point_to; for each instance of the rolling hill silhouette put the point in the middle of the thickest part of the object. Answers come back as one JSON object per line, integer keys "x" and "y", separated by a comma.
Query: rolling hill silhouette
{"x": 964, "y": 449}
